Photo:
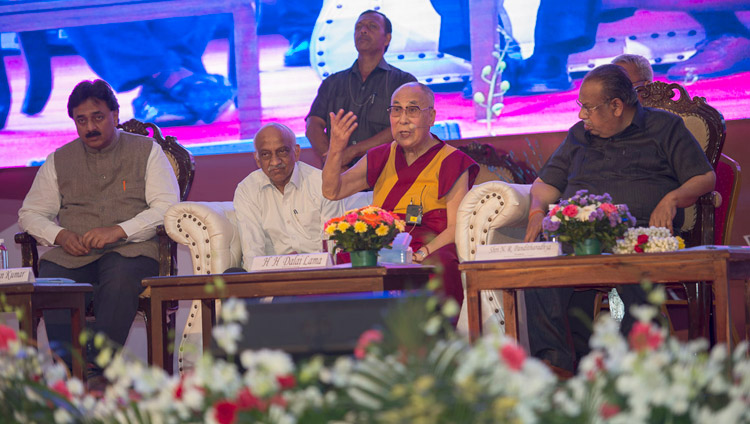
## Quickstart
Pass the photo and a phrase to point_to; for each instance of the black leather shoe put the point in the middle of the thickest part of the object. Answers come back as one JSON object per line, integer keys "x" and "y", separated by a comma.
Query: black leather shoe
{"x": 542, "y": 75}
{"x": 299, "y": 52}
{"x": 154, "y": 105}
{"x": 207, "y": 96}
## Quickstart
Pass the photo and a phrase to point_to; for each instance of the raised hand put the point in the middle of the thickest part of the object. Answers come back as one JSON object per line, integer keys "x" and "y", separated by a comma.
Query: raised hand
{"x": 71, "y": 243}
{"x": 342, "y": 127}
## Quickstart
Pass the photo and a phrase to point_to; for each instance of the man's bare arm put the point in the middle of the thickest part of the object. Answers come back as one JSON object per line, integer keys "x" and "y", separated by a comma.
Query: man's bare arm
{"x": 315, "y": 131}
{"x": 681, "y": 197}
{"x": 542, "y": 194}
{"x": 336, "y": 185}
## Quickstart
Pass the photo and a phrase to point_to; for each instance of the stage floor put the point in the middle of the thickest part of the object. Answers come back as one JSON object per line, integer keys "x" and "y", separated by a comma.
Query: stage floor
{"x": 286, "y": 96}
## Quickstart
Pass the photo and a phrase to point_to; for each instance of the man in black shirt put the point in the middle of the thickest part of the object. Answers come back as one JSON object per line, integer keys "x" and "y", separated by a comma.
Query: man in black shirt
{"x": 364, "y": 90}
{"x": 645, "y": 158}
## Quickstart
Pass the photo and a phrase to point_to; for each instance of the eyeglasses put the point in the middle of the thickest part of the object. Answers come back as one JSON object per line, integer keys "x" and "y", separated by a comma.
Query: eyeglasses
{"x": 411, "y": 111}
{"x": 282, "y": 153}
{"x": 589, "y": 109}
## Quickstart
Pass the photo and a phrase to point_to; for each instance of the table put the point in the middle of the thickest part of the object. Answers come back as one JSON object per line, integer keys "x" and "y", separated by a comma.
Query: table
{"x": 716, "y": 265}
{"x": 31, "y": 15}
{"x": 33, "y": 298}
{"x": 298, "y": 282}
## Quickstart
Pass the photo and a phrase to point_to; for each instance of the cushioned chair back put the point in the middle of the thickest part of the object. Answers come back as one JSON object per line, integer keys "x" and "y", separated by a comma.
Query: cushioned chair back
{"x": 182, "y": 161}
{"x": 708, "y": 127}
{"x": 728, "y": 178}
{"x": 491, "y": 213}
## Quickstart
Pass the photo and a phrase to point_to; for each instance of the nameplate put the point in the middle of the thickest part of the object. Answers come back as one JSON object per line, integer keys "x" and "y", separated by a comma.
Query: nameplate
{"x": 303, "y": 260}
{"x": 542, "y": 249}
{"x": 16, "y": 275}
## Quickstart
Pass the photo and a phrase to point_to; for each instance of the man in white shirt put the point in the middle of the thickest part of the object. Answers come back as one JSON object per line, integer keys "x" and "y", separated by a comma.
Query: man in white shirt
{"x": 99, "y": 199}
{"x": 280, "y": 207}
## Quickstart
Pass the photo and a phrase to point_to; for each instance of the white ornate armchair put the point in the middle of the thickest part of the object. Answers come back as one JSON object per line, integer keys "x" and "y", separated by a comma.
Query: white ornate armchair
{"x": 209, "y": 230}
{"x": 494, "y": 212}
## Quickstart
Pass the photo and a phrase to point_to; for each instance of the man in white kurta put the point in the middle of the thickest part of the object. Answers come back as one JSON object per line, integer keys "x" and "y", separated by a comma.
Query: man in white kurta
{"x": 280, "y": 207}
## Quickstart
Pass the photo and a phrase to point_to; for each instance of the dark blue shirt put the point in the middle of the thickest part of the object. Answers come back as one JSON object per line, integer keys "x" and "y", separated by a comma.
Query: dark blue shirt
{"x": 654, "y": 155}
{"x": 368, "y": 99}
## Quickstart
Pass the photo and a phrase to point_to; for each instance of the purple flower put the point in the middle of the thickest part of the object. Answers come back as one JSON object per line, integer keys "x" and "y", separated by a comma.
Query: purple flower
{"x": 597, "y": 215}
{"x": 550, "y": 225}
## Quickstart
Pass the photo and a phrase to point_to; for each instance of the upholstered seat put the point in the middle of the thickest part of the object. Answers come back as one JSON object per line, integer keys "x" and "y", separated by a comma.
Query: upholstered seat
{"x": 209, "y": 230}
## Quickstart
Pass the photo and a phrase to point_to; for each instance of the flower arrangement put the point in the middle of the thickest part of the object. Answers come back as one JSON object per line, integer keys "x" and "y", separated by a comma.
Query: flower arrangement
{"x": 648, "y": 239}
{"x": 414, "y": 369}
{"x": 367, "y": 228}
{"x": 586, "y": 216}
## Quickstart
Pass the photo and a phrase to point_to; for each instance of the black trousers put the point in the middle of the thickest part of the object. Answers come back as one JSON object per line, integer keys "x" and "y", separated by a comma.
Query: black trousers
{"x": 556, "y": 331}
{"x": 117, "y": 285}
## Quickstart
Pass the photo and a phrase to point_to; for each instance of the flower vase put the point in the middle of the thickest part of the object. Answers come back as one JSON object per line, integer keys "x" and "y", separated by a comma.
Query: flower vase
{"x": 364, "y": 258}
{"x": 588, "y": 247}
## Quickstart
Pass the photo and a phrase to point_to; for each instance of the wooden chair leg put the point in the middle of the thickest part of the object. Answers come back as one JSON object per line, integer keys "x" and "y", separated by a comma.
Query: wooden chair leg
{"x": 699, "y": 310}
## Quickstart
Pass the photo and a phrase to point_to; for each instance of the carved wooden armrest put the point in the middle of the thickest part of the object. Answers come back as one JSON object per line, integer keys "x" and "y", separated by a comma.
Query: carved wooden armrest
{"x": 29, "y": 252}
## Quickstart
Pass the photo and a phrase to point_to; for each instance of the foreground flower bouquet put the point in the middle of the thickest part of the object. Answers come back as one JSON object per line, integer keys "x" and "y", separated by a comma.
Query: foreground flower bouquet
{"x": 413, "y": 370}
{"x": 588, "y": 217}
{"x": 367, "y": 228}
{"x": 648, "y": 239}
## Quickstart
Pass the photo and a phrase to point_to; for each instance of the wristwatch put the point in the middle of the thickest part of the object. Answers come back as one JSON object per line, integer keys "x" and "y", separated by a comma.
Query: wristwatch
{"x": 422, "y": 254}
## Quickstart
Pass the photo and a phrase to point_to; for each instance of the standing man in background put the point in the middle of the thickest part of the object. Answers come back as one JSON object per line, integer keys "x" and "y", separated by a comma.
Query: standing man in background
{"x": 365, "y": 89}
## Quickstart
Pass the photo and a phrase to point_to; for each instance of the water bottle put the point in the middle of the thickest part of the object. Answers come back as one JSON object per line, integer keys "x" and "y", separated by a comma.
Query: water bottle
{"x": 3, "y": 255}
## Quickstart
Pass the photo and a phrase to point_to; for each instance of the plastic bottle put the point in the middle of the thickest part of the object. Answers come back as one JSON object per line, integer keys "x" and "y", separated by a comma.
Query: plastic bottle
{"x": 3, "y": 255}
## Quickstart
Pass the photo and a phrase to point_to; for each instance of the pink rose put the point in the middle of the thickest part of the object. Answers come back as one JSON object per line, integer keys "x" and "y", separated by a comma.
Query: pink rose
{"x": 225, "y": 412}
{"x": 62, "y": 389}
{"x": 286, "y": 381}
{"x": 554, "y": 210}
{"x": 247, "y": 401}
{"x": 608, "y": 208}
{"x": 644, "y": 336}
{"x": 570, "y": 211}
{"x": 513, "y": 355}
{"x": 352, "y": 218}
{"x": 6, "y": 335}
{"x": 365, "y": 339}
{"x": 608, "y": 410}
{"x": 386, "y": 217}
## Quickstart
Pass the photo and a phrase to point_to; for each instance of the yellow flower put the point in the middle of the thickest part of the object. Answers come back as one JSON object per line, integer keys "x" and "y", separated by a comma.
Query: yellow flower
{"x": 680, "y": 242}
{"x": 360, "y": 227}
{"x": 381, "y": 230}
{"x": 424, "y": 383}
{"x": 370, "y": 209}
{"x": 400, "y": 224}
{"x": 331, "y": 229}
{"x": 343, "y": 226}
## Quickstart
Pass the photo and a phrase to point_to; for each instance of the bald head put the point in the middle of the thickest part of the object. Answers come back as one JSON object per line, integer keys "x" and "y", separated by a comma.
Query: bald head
{"x": 423, "y": 91}
{"x": 278, "y": 130}
{"x": 276, "y": 151}
{"x": 638, "y": 68}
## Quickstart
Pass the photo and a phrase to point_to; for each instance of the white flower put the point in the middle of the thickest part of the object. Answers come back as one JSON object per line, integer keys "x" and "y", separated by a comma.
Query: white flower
{"x": 585, "y": 211}
{"x": 62, "y": 416}
{"x": 227, "y": 336}
{"x": 274, "y": 362}
{"x": 233, "y": 310}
